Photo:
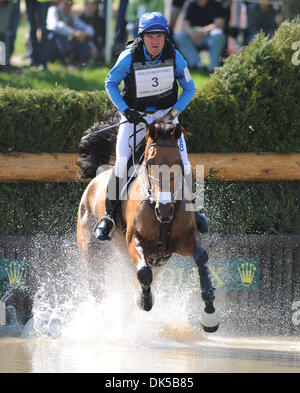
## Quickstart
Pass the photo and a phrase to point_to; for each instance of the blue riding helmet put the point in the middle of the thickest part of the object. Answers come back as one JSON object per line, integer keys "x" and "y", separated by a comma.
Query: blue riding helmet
{"x": 153, "y": 22}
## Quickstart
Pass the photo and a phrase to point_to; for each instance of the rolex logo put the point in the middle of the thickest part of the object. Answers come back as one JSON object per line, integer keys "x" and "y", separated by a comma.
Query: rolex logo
{"x": 247, "y": 272}
{"x": 15, "y": 273}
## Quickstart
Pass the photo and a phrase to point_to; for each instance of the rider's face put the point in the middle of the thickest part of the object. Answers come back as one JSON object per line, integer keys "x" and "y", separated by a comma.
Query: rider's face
{"x": 154, "y": 43}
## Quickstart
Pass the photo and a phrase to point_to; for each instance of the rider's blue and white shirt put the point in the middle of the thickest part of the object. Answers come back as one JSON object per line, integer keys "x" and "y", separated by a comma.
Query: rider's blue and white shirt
{"x": 122, "y": 68}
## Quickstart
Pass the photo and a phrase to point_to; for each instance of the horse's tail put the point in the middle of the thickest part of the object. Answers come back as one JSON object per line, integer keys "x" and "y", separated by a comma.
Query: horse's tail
{"x": 97, "y": 147}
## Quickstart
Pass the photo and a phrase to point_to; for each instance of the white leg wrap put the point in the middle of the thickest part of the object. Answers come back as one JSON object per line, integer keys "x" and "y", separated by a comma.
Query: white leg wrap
{"x": 210, "y": 322}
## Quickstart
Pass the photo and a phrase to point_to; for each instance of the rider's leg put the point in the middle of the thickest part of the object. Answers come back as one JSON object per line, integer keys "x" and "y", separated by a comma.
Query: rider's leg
{"x": 201, "y": 219}
{"x": 104, "y": 230}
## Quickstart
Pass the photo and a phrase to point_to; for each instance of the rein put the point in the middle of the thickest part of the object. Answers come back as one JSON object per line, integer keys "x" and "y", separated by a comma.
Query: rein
{"x": 133, "y": 150}
{"x": 103, "y": 129}
{"x": 163, "y": 244}
{"x": 147, "y": 189}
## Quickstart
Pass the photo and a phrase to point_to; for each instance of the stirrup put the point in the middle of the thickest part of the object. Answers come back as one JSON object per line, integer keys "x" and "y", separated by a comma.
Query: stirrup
{"x": 105, "y": 229}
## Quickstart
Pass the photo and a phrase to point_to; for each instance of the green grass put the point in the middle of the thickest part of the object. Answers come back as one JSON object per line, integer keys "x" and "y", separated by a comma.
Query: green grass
{"x": 87, "y": 77}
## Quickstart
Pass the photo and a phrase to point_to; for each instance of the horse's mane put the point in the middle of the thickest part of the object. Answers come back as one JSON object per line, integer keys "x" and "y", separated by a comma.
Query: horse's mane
{"x": 163, "y": 127}
{"x": 98, "y": 148}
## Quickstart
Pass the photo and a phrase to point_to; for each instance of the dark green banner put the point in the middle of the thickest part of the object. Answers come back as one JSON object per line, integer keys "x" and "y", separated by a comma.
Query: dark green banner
{"x": 12, "y": 273}
{"x": 233, "y": 274}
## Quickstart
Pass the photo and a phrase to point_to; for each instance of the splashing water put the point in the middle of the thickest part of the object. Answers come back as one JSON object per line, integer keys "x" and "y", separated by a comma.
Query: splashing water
{"x": 63, "y": 306}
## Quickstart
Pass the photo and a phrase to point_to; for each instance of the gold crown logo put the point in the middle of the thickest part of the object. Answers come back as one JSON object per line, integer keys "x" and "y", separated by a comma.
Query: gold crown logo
{"x": 15, "y": 273}
{"x": 247, "y": 271}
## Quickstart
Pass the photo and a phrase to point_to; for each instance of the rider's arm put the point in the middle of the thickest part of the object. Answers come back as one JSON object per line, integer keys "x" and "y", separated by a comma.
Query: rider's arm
{"x": 115, "y": 76}
{"x": 186, "y": 82}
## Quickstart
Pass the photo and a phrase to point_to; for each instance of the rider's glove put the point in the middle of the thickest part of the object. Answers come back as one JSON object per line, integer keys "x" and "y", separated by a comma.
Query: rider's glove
{"x": 133, "y": 116}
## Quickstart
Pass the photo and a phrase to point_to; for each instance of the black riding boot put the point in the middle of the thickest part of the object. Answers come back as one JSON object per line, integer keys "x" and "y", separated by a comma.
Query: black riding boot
{"x": 106, "y": 228}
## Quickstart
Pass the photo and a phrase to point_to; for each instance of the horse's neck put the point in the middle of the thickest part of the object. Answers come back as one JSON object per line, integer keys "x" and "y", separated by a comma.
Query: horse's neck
{"x": 140, "y": 186}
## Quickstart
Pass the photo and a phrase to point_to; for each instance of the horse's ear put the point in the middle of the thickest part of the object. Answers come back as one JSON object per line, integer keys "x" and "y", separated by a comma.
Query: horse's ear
{"x": 152, "y": 131}
{"x": 177, "y": 130}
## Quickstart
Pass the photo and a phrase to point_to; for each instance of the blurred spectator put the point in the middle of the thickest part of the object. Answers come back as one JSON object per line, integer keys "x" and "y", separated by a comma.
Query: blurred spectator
{"x": 204, "y": 25}
{"x": 36, "y": 9}
{"x": 226, "y": 6}
{"x": 237, "y": 26}
{"x": 262, "y": 16}
{"x": 6, "y": 7}
{"x": 91, "y": 17}
{"x": 72, "y": 36}
{"x": 120, "y": 30}
{"x": 176, "y": 8}
{"x": 12, "y": 28}
{"x": 136, "y": 8}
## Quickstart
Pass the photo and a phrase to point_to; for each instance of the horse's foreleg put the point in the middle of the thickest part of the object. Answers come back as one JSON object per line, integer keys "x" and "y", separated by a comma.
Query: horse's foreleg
{"x": 145, "y": 298}
{"x": 210, "y": 319}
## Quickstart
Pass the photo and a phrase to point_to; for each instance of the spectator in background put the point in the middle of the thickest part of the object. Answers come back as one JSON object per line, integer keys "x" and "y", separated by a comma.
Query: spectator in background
{"x": 120, "y": 29}
{"x": 137, "y": 8}
{"x": 6, "y": 7}
{"x": 204, "y": 25}
{"x": 237, "y": 26}
{"x": 36, "y": 8}
{"x": 262, "y": 16}
{"x": 13, "y": 27}
{"x": 176, "y": 8}
{"x": 91, "y": 17}
{"x": 72, "y": 36}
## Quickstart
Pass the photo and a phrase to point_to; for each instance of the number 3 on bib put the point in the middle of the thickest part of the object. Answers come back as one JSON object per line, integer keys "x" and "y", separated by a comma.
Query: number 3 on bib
{"x": 155, "y": 82}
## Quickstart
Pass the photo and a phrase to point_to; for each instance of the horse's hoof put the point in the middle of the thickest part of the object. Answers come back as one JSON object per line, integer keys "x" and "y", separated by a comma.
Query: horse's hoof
{"x": 145, "y": 300}
{"x": 210, "y": 321}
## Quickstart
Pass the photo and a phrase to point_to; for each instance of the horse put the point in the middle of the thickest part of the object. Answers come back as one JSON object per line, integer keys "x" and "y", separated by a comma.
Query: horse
{"x": 153, "y": 221}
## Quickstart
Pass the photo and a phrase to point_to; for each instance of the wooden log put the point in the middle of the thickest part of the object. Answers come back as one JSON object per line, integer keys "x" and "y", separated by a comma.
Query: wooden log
{"x": 61, "y": 167}
{"x": 249, "y": 166}
{"x": 44, "y": 167}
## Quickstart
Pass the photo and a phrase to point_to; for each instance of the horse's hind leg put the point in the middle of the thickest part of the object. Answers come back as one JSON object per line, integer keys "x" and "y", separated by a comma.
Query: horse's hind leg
{"x": 145, "y": 298}
{"x": 209, "y": 318}
{"x": 89, "y": 247}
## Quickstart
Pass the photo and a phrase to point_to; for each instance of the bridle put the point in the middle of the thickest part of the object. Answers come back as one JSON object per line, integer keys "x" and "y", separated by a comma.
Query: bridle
{"x": 148, "y": 187}
{"x": 146, "y": 182}
{"x": 151, "y": 178}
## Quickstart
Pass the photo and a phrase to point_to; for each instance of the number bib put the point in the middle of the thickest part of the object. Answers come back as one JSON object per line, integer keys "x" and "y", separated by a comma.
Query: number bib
{"x": 154, "y": 79}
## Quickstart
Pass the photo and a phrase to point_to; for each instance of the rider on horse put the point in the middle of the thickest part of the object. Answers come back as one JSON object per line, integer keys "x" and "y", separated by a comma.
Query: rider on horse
{"x": 150, "y": 67}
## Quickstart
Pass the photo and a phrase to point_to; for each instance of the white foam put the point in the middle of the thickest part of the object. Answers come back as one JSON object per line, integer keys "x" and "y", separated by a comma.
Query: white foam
{"x": 116, "y": 319}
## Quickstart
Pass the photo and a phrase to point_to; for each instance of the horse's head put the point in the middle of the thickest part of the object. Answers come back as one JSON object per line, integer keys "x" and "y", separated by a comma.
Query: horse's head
{"x": 164, "y": 166}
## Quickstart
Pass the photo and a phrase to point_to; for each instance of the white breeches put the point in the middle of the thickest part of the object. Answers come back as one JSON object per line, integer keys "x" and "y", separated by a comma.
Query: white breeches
{"x": 124, "y": 145}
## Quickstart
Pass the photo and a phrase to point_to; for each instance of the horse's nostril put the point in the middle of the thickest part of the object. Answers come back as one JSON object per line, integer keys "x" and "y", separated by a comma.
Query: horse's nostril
{"x": 166, "y": 216}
